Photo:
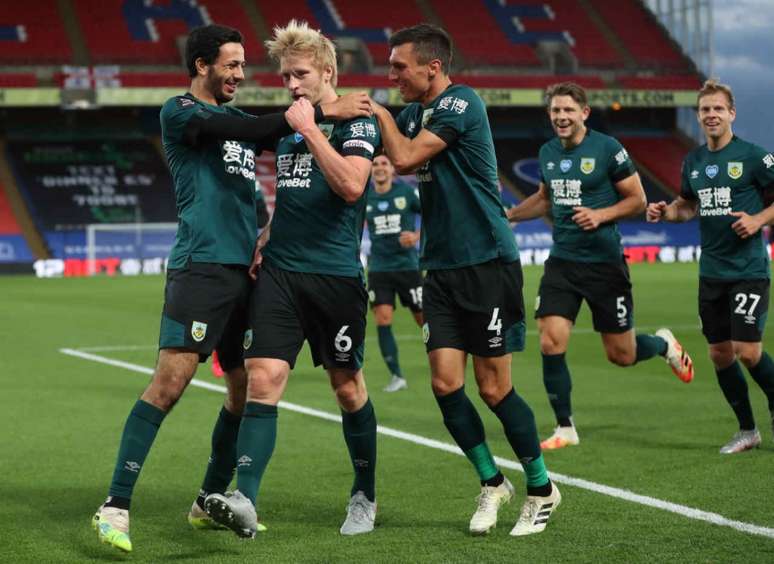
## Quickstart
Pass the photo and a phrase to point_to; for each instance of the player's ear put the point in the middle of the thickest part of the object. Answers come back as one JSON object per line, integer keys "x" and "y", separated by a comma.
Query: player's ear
{"x": 327, "y": 73}
{"x": 434, "y": 68}
{"x": 201, "y": 66}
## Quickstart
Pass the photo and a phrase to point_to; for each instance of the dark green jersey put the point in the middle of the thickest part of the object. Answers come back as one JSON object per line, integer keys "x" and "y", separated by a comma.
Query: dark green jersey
{"x": 388, "y": 214}
{"x": 584, "y": 175}
{"x": 313, "y": 229}
{"x": 735, "y": 178}
{"x": 463, "y": 220}
{"x": 214, "y": 188}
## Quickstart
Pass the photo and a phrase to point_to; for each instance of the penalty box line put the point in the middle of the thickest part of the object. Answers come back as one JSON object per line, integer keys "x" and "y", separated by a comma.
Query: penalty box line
{"x": 618, "y": 493}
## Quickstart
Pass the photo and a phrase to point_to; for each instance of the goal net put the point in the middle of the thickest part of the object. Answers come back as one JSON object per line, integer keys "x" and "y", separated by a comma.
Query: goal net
{"x": 140, "y": 247}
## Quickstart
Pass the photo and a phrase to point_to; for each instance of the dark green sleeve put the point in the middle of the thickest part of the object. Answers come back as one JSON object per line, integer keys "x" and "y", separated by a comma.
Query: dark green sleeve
{"x": 175, "y": 115}
{"x": 416, "y": 204}
{"x": 619, "y": 164}
{"x": 402, "y": 119}
{"x": 764, "y": 170}
{"x": 685, "y": 185}
{"x": 360, "y": 137}
{"x": 455, "y": 114}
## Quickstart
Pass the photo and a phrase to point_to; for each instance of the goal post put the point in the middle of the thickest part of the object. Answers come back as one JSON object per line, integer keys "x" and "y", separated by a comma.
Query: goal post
{"x": 127, "y": 241}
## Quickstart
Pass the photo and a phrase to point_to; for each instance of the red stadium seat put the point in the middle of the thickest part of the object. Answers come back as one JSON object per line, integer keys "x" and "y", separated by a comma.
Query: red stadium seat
{"x": 663, "y": 156}
{"x": 479, "y": 38}
{"x": 590, "y": 46}
{"x": 43, "y": 36}
{"x": 649, "y": 44}
{"x": 280, "y": 13}
{"x": 8, "y": 223}
{"x": 109, "y": 40}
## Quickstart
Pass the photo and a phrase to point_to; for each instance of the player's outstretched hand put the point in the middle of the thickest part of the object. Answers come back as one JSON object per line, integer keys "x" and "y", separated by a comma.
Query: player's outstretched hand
{"x": 655, "y": 211}
{"x": 408, "y": 239}
{"x": 587, "y": 219}
{"x": 746, "y": 226}
{"x": 352, "y": 105}
{"x": 300, "y": 115}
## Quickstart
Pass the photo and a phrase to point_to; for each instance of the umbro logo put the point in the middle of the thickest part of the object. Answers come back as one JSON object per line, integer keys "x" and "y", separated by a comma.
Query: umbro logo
{"x": 244, "y": 460}
{"x": 132, "y": 466}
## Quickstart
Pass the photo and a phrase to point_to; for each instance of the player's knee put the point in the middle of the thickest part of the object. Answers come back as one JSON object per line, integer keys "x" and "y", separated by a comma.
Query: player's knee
{"x": 350, "y": 396}
{"x": 442, "y": 387}
{"x": 262, "y": 383}
{"x": 492, "y": 394}
{"x": 722, "y": 357}
{"x": 164, "y": 397}
{"x": 749, "y": 357}
{"x": 621, "y": 357}
{"x": 549, "y": 344}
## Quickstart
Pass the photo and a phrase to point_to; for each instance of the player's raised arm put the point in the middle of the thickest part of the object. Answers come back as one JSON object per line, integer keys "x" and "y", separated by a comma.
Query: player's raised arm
{"x": 406, "y": 154}
{"x": 346, "y": 174}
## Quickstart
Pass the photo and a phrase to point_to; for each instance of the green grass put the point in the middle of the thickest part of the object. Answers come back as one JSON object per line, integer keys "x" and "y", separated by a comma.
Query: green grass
{"x": 641, "y": 430}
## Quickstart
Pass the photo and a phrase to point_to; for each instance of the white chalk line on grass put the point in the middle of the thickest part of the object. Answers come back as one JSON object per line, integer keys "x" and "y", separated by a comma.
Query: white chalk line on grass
{"x": 685, "y": 511}
{"x": 399, "y": 337}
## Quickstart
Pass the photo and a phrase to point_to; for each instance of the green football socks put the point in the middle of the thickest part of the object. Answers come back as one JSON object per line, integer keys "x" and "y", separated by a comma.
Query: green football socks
{"x": 389, "y": 349}
{"x": 220, "y": 469}
{"x": 556, "y": 379}
{"x": 360, "y": 435}
{"x": 255, "y": 445}
{"x": 649, "y": 346}
{"x": 520, "y": 430}
{"x": 139, "y": 433}
{"x": 467, "y": 430}
{"x": 763, "y": 374}
{"x": 734, "y": 386}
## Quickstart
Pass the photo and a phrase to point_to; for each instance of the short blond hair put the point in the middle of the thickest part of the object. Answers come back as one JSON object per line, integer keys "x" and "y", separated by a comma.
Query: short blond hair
{"x": 714, "y": 86}
{"x": 297, "y": 38}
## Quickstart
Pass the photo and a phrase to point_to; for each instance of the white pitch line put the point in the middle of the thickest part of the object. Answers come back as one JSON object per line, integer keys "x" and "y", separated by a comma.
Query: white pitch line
{"x": 683, "y": 510}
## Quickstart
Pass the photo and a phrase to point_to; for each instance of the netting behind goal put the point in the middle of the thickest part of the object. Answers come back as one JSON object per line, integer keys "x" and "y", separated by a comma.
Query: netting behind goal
{"x": 141, "y": 247}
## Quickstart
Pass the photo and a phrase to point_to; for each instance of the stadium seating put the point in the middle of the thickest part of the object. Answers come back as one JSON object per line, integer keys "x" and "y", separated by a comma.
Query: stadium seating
{"x": 62, "y": 184}
{"x": 32, "y": 32}
{"x": 641, "y": 34}
{"x": 13, "y": 245}
{"x": 8, "y": 223}
{"x": 589, "y": 45}
{"x": 662, "y": 156}
{"x": 280, "y": 13}
{"x": 150, "y": 79}
{"x": 479, "y": 38}
{"x": 128, "y": 31}
{"x": 392, "y": 16}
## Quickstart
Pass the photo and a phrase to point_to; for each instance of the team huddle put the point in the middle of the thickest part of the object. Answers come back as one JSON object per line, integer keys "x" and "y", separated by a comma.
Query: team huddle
{"x": 255, "y": 302}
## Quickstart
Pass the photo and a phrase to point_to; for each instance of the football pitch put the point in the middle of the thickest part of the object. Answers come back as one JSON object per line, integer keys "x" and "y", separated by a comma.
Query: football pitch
{"x": 646, "y": 484}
